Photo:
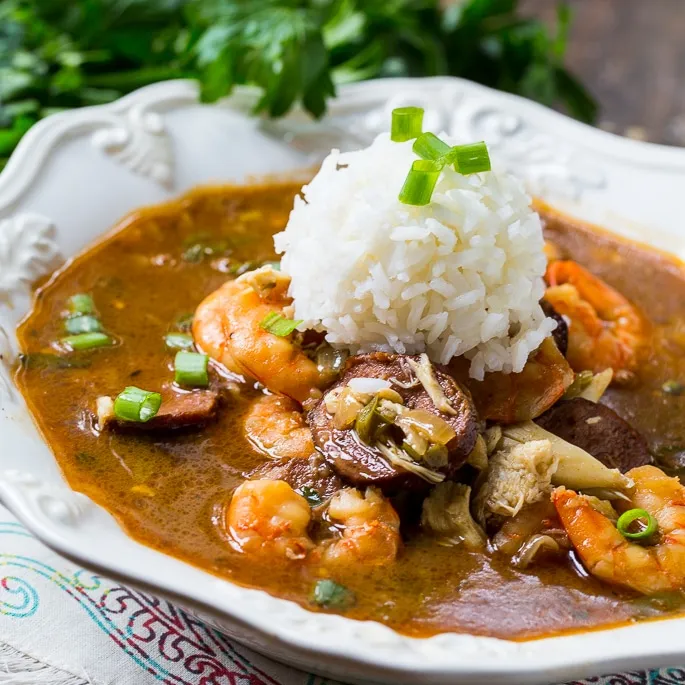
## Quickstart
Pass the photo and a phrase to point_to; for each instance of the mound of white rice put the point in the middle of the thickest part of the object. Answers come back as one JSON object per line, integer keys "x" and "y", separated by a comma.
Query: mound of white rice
{"x": 460, "y": 276}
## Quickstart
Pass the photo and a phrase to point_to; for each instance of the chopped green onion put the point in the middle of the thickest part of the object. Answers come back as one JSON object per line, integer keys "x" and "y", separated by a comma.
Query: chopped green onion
{"x": 191, "y": 369}
{"x": 429, "y": 146}
{"x": 311, "y": 495}
{"x": 649, "y": 525}
{"x": 81, "y": 304}
{"x": 86, "y": 341}
{"x": 470, "y": 159}
{"x": 134, "y": 404}
{"x": 407, "y": 123}
{"x": 418, "y": 188}
{"x": 85, "y": 323}
{"x": 279, "y": 325}
{"x": 331, "y": 595}
{"x": 673, "y": 388}
{"x": 179, "y": 341}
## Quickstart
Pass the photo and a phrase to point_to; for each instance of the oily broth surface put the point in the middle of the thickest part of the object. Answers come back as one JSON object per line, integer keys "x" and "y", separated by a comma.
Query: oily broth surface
{"x": 141, "y": 283}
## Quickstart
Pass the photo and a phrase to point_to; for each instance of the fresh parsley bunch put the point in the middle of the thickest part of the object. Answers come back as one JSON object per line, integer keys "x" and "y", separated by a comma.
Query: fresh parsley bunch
{"x": 60, "y": 55}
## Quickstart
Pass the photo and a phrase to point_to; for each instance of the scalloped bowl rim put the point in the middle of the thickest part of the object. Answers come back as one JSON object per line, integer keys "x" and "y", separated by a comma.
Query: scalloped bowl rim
{"x": 331, "y": 643}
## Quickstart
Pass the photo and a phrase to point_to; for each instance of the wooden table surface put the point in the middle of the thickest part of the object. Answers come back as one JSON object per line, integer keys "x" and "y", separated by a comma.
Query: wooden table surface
{"x": 631, "y": 56}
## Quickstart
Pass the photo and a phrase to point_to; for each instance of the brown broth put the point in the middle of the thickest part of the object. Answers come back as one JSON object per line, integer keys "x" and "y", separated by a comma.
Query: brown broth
{"x": 141, "y": 283}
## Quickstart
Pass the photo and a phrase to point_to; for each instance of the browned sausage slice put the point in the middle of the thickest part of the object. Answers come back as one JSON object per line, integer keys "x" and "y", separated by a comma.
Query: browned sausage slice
{"x": 187, "y": 410}
{"x": 303, "y": 475}
{"x": 599, "y": 430}
{"x": 361, "y": 464}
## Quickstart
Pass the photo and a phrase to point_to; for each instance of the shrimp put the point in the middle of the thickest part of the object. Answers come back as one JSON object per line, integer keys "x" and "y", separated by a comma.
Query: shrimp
{"x": 514, "y": 397}
{"x": 227, "y": 327}
{"x": 370, "y": 529}
{"x": 606, "y": 330}
{"x": 267, "y": 517}
{"x": 609, "y": 556}
{"x": 276, "y": 426}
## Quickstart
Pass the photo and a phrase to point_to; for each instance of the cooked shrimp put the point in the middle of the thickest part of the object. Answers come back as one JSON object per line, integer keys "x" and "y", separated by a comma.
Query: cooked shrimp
{"x": 227, "y": 327}
{"x": 514, "y": 397}
{"x": 611, "y": 557}
{"x": 370, "y": 529}
{"x": 268, "y": 517}
{"x": 276, "y": 426}
{"x": 606, "y": 330}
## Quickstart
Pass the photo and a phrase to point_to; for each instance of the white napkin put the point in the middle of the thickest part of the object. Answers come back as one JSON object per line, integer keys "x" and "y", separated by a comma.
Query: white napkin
{"x": 63, "y": 625}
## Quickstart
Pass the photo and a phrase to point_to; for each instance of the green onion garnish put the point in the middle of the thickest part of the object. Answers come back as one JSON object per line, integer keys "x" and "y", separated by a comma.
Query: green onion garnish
{"x": 429, "y": 146}
{"x": 331, "y": 595}
{"x": 179, "y": 341}
{"x": 191, "y": 369}
{"x": 81, "y": 304}
{"x": 407, "y": 123}
{"x": 649, "y": 525}
{"x": 84, "y": 323}
{"x": 134, "y": 404}
{"x": 86, "y": 341}
{"x": 470, "y": 159}
{"x": 673, "y": 388}
{"x": 279, "y": 325}
{"x": 420, "y": 183}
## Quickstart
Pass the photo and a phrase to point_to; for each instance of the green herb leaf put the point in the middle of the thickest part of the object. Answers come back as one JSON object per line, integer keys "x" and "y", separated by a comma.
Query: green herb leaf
{"x": 331, "y": 595}
{"x": 278, "y": 325}
{"x": 59, "y": 56}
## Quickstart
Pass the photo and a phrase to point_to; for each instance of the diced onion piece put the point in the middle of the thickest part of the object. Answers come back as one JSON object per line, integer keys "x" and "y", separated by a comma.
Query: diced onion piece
{"x": 86, "y": 341}
{"x": 81, "y": 303}
{"x": 135, "y": 404}
{"x": 390, "y": 395}
{"x": 407, "y": 123}
{"x": 430, "y": 426}
{"x": 470, "y": 159}
{"x": 420, "y": 183}
{"x": 597, "y": 386}
{"x": 368, "y": 386}
{"x": 104, "y": 408}
{"x": 424, "y": 372}
{"x": 429, "y": 146}
{"x": 191, "y": 368}
{"x": 348, "y": 409}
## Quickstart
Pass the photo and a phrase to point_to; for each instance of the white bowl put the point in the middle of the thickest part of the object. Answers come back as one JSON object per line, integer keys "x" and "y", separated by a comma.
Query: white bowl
{"x": 75, "y": 174}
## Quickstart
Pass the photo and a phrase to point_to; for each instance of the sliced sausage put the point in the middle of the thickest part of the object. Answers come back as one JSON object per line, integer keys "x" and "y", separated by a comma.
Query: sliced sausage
{"x": 361, "y": 464}
{"x": 313, "y": 473}
{"x": 599, "y": 430}
{"x": 187, "y": 410}
{"x": 560, "y": 333}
